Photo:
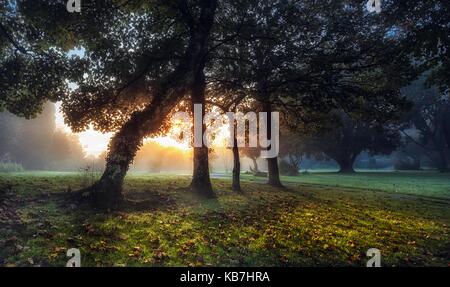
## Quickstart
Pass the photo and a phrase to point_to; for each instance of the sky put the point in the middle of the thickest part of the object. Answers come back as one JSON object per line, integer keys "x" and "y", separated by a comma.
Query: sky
{"x": 94, "y": 143}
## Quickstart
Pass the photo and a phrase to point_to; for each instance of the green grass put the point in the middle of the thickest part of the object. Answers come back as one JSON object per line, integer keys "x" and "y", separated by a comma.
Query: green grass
{"x": 426, "y": 183}
{"x": 318, "y": 220}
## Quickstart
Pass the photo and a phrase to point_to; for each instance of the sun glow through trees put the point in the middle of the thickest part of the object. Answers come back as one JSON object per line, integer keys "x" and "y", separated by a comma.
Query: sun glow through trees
{"x": 95, "y": 143}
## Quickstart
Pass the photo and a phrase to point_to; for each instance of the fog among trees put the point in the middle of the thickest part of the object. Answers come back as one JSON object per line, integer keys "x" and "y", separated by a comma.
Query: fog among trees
{"x": 36, "y": 144}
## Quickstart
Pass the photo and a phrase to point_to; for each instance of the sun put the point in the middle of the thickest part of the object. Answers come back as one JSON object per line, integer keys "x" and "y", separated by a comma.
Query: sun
{"x": 95, "y": 143}
{"x": 168, "y": 141}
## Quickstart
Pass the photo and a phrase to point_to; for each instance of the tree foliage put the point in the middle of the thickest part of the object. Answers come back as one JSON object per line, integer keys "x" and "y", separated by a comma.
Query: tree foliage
{"x": 30, "y": 71}
{"x": 430, "y": 117}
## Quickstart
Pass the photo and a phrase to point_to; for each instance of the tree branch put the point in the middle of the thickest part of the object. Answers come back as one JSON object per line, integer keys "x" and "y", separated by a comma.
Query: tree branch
{"x": 10, "y": 38}
{"x": 417, "y": 143}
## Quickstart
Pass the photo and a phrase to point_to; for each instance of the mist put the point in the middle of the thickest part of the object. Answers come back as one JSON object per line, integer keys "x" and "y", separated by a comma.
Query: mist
{"x": 38, "y": 144}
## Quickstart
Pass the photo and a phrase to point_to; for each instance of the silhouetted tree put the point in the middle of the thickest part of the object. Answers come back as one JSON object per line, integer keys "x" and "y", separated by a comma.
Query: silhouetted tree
{"x": 294, "y": 148}
{"x": 409, "y": 155}
{"x": 309, "y": 58}
{"x": 424, "y": 26}
{"x": 430, "y": 117}
{"x": 352, "y": 136}
{"x": 139, "y": 59}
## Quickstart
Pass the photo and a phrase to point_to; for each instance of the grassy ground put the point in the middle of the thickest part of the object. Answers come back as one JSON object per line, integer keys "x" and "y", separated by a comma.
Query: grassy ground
{"x": 318, "y": 220}
{"x": 424, "y": 183}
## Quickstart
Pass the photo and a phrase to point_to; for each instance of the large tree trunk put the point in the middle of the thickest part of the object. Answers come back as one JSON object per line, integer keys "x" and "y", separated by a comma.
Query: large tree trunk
{"x": 201, "y": 182}
{"x": 345, "y": 163}
{"x": 107, "y": 192}
{"x": 274, "y": 173}
{"x": 272, "y": 163}
{"x": 236, "y": 183}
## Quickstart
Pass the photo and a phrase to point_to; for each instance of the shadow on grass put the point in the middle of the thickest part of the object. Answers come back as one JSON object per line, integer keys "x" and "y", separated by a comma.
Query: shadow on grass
{"x": 164, "y": 224}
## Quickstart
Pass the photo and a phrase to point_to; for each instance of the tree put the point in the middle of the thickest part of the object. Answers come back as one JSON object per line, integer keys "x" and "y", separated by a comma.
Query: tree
{"x": 253, "y": 153}
{"x": 140, "y": 58}
{"x": 346, "y": 141}
{"x": 169, "y": 90}
{"x": 309, "y": 58}
{"x": 425, "y": 29}
{"x": 294, "y": 147}
{"x": 227, "y": 101}
{"x": 430, "y": 117}
{"x": 30, "y": 71}
{"x": 409, "y": 155}
{"x": 201, "y": 182}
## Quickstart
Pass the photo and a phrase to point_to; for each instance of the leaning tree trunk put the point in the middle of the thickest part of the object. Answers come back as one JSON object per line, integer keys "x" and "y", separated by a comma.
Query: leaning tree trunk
{"x": 272, "y": 163}
{"x": 107, "y": 192}
{"x": 201, "y": 182}
{"x": 236, "y": 183}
